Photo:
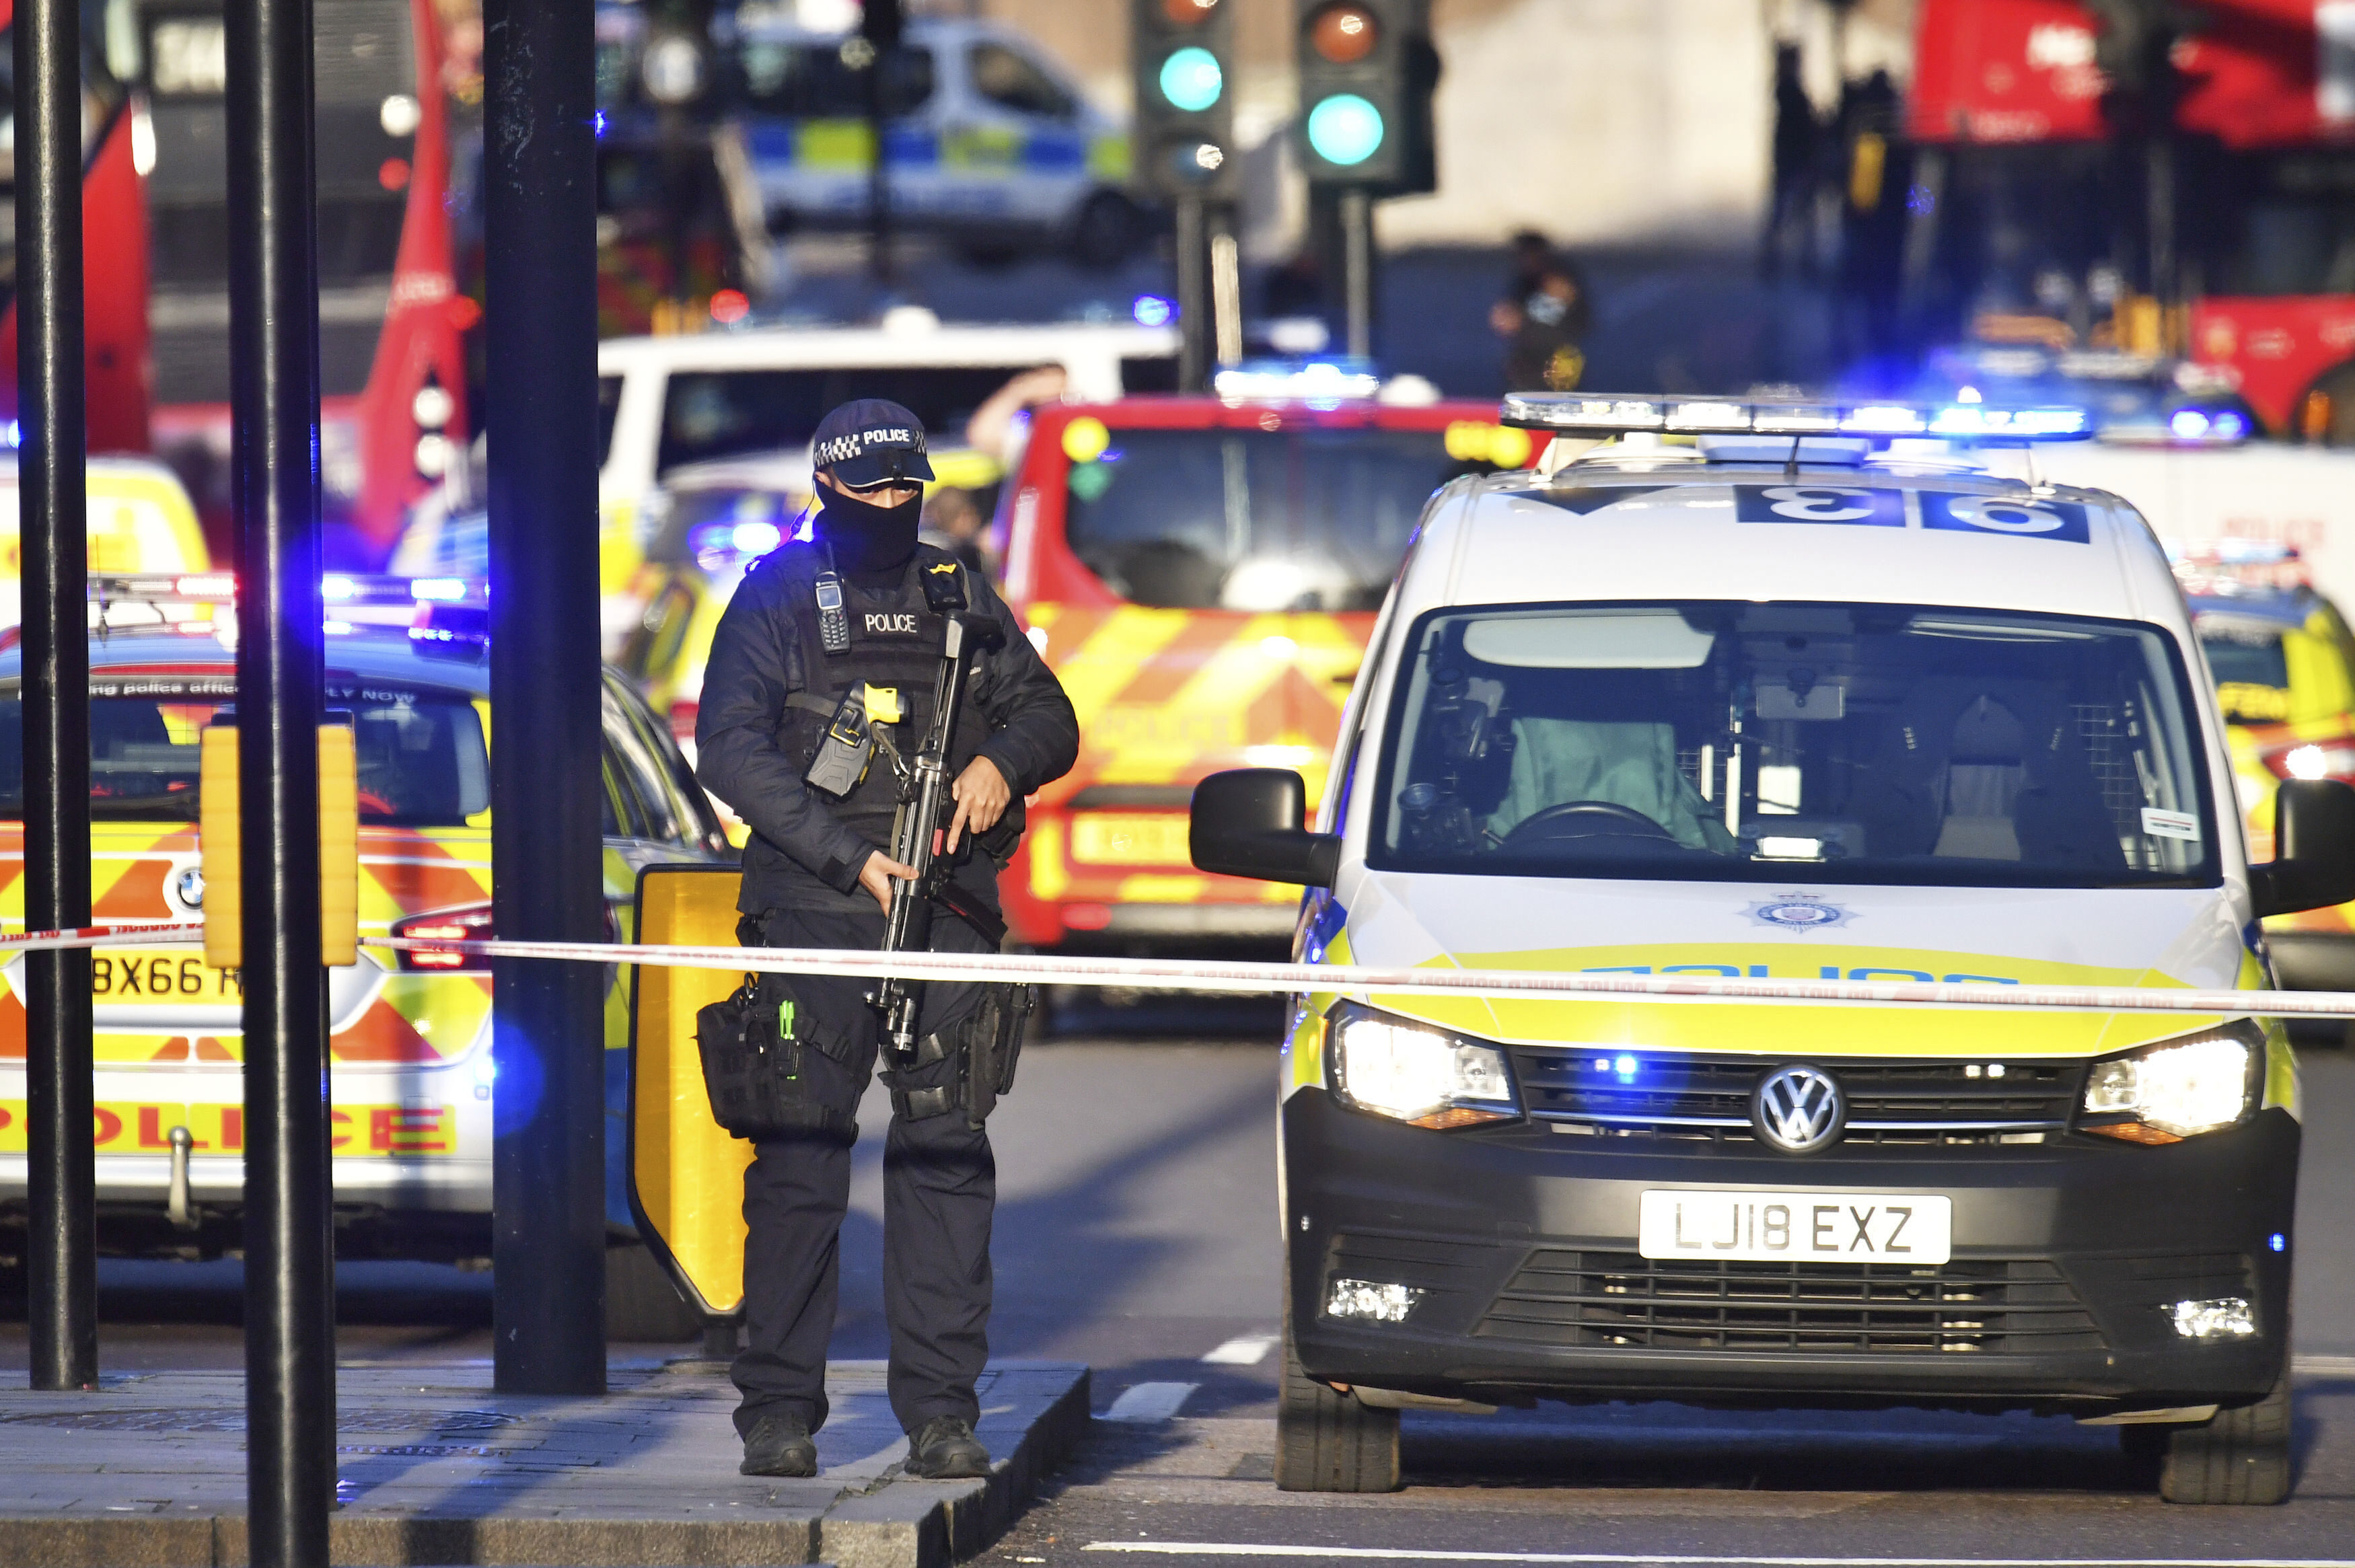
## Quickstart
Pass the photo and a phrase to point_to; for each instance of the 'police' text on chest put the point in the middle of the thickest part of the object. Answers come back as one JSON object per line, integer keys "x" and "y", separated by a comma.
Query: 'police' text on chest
{"x": 890, "y": 625}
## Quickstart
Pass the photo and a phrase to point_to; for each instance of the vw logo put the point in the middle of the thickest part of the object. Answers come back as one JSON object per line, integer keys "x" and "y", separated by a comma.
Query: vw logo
{"x": 1798, "y": 1109}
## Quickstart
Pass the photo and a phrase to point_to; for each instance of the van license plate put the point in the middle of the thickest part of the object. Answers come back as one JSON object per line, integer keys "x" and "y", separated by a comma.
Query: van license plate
{"x": 1780, "y": 1227}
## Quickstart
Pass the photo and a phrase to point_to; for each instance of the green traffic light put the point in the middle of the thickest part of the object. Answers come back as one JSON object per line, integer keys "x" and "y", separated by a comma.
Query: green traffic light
{"x": 1345, "y": 130}
{"x": 1191, "y": 79}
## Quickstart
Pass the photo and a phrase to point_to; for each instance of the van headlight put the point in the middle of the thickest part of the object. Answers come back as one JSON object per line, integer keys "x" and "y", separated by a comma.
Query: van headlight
{"x": 1415, "y": 1073}
{"x": 2176, "y": 1088}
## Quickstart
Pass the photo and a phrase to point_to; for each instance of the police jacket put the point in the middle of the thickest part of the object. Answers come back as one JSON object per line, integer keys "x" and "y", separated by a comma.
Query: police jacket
{"x": 770, "y": 683}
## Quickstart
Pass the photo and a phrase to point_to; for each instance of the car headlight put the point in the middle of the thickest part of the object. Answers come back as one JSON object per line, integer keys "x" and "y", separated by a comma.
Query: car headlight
{"x": 2176, "y": 1088}
{"x": 1415, "y": 1073}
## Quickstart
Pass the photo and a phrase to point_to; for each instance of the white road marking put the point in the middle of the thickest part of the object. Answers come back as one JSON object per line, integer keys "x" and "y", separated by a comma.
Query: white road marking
{"x": 1242, "y": 1350}
{"x": 1409, "y": 1554}
{"x": 1149, "y": 1402}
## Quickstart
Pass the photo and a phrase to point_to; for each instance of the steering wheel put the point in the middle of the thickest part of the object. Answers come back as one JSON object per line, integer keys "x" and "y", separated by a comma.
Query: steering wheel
{"x": 1582, "y": 820}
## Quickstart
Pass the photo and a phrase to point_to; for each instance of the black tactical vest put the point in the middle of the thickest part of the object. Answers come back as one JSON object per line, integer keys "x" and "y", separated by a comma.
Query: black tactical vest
{"x": 896, "y": 640}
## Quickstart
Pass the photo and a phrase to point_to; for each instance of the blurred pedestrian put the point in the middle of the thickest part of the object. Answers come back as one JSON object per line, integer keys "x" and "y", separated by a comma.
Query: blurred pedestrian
{"x": 1543, "y": 316}
{"x": 953, "y": 525}
{"x": 1798, "y": 152}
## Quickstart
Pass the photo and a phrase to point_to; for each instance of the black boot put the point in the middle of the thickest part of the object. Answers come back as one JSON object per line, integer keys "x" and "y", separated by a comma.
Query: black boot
{"x": 945, "y": 1449}
{"x": 779, "y": 1446}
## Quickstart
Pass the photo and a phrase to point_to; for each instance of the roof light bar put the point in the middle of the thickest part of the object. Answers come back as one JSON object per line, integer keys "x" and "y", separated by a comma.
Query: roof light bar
{"x": 1792, "y": 417}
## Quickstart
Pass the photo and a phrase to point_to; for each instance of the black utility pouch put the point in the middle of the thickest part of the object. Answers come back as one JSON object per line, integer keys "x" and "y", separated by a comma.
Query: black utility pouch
{"x": 767, "y": 1070}
{"x": 993, "y": 1046}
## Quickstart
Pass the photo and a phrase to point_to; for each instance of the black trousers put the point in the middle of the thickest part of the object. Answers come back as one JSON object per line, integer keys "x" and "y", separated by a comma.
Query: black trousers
{"x": 940, "y": 1187}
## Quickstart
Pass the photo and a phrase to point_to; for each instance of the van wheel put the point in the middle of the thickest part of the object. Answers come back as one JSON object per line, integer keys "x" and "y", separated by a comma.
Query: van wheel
{"x": 2234, "y": 1457}
{"x": 1328, "y": 1441}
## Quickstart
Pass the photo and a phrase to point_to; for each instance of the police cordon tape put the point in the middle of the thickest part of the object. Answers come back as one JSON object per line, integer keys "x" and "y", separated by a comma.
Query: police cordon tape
{"x": 1262, "y": 979}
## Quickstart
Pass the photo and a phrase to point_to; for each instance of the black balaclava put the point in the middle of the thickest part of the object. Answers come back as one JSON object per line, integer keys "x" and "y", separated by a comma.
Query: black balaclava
{"x": 866, "y": 539}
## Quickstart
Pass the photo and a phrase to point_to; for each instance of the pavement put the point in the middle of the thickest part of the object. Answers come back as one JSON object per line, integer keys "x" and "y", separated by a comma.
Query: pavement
{"x": 437, "y": 1468}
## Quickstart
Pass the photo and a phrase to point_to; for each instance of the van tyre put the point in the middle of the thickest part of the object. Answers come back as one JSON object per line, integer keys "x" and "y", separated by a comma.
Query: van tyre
{"x": 1328, "y": 1441}
{"x": 2235, "y": 1457}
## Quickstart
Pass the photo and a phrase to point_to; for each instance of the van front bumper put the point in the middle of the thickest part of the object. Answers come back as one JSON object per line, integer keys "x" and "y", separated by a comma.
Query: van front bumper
{"x": 2067, "y": 1258}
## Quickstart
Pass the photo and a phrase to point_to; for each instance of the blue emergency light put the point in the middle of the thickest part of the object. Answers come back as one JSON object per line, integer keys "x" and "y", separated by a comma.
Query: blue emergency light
{"x": 1874, "y": 418}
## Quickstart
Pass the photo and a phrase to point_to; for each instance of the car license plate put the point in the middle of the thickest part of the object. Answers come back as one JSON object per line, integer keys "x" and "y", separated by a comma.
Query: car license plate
{"x": 1131, "y": 838}
{"x": 1779, "y": 1227}
{"x": 158, "y": 976}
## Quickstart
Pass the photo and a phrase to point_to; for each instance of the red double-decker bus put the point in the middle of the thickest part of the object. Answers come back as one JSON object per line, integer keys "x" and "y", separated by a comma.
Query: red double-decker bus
{"x": 2224, "y": 232}
{"x": 115, "y": 244}
{"x": 396, "y": 80}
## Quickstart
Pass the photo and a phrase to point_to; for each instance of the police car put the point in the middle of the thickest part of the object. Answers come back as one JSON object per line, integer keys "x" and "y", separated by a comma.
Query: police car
{"x": 987, "y": 139}
{"x": 411, "y": 1079}
{"x": 1785, "y": 698}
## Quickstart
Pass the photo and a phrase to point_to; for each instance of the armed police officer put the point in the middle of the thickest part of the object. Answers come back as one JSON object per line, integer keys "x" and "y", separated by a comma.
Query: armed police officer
{"x": 820, "y": 688}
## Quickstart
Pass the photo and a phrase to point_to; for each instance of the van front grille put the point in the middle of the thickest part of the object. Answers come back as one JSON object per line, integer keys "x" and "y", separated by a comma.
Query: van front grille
{"x": 2019, "y": 1306}
{"x": 1706, "y": 1099}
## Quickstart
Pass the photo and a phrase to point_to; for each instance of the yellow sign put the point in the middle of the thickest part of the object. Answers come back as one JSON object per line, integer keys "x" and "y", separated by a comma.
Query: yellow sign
{"x": 686, "y": 1174}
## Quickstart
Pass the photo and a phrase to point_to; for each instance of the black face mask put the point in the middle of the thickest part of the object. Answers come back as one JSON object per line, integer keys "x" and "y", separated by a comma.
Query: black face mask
{"x": 866, "y": 538}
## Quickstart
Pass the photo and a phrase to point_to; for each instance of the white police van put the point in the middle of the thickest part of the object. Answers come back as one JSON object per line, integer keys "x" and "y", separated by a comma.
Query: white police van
{"x": 1788, "y": 700}
{"x": 987, "y": 139}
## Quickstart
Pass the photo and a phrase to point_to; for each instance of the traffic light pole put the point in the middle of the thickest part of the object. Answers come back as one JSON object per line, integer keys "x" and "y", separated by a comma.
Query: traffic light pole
{"x": 290, "y": 1358}
{"x": 1356, "y": 206}
{"x": 1197, "y": 342}
{"x": 547, "y": 1138}
{"x": 63, "y": 1311}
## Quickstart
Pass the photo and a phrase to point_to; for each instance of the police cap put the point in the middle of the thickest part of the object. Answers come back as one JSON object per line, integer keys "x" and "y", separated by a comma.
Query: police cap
{"x": 869, "y": 441}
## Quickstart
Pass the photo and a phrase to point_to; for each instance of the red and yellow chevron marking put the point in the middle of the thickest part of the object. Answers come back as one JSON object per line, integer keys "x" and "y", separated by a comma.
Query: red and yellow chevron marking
{"x": 414, "y": 1020}
{"x": 1165, "y": 696}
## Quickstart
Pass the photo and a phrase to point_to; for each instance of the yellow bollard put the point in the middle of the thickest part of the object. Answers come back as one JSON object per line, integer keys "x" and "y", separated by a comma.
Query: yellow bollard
{"x": 339, "y": 846}
{"x": 216, "y": 832}
{"x": 686, "y": 1174}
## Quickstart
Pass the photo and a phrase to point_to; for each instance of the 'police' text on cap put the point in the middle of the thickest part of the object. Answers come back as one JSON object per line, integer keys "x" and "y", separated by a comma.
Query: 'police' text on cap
{"x": 870, "y": 441}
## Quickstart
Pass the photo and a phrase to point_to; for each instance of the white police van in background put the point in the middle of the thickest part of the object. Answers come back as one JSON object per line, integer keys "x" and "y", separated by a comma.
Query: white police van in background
{"x": 987, "y": 141}
{"x": 1790, "y": 700}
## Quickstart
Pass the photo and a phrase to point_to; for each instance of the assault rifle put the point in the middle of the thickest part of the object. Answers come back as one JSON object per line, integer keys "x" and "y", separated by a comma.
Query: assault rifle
{"x": 925, "y": 809}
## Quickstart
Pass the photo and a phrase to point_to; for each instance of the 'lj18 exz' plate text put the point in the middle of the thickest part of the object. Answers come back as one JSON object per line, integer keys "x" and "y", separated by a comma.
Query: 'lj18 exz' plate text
{"x": 1779, "y": 1227}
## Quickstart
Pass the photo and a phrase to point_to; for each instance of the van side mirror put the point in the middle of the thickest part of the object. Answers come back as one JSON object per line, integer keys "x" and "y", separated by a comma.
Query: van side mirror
{"x": 2313, "y": 848}
{"x": 1247, "y": 822}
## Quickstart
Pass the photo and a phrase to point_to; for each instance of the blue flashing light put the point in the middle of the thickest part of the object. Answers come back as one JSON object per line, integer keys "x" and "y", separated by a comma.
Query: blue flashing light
{"x": 12, "y": 434}
{"x": 1345, "y": 128}
{"x": 2189, "y": 424}
{"x": 1625, "y": 1066}
{"x": 338, "y": 590}
{"x": 1603, "y": 1064}
{"x": 2229, "y": 426}
{"x": 1152, "y": 310}
{"x": 337, "y": 627}
{"x": 756, "y": 538}
{"x": 1968, "y": 419}
{"x": 438, "y": 590}
{"x": 2277, "y": 1242}
{"x": 601, "y": 124}
{"x": 1191, "y": 79}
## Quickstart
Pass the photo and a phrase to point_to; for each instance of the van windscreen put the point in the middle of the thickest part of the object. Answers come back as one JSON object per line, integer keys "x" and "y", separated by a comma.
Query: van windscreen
{"x": 1254, "y": 520}
{"x": 423, "y": 763}
{"x": 719, "y": 413}
{"x": 1844, "y": 743}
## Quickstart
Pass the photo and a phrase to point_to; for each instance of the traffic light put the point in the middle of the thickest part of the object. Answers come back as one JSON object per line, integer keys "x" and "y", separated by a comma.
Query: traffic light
{"x": 1367, "y": 73}
{"x": 1183, "y": 137}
